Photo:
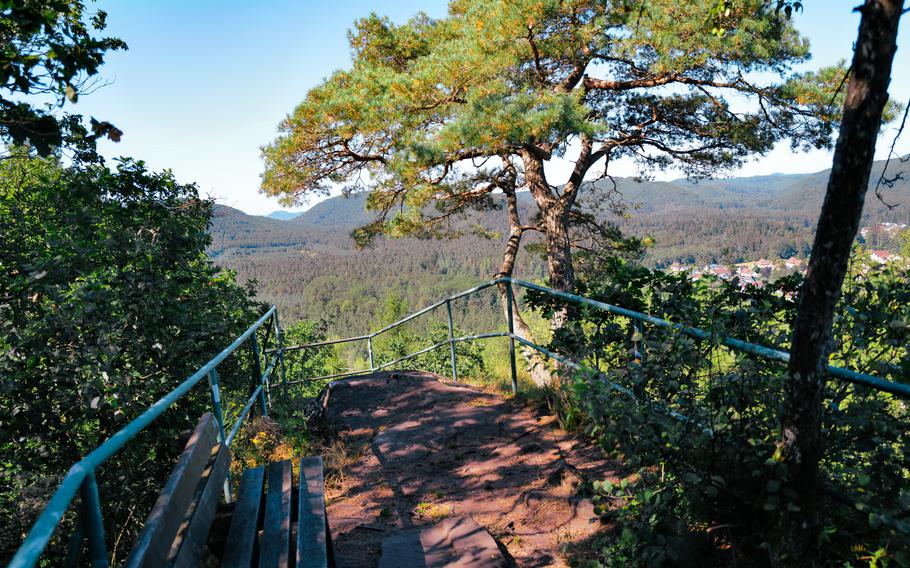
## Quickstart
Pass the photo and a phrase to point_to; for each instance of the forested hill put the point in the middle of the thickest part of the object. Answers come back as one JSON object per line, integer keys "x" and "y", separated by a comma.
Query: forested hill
{"x": 739, "y": 219}
{"x": 309, "y": 266}
{"x": 311, "y": 269}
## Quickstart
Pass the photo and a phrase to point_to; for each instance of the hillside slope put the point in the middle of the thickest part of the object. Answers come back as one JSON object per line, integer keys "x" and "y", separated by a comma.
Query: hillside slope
{"x": 314, "y": 271}
{"x": 309, "y": 266}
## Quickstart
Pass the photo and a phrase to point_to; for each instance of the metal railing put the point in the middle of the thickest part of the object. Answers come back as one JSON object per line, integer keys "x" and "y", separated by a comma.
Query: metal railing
{"x": 81, "y": 476}
{"x": 862, "y": 379}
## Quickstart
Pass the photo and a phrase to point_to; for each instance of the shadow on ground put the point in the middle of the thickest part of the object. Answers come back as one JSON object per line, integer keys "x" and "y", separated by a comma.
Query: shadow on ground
{"x": 410, "y": 450}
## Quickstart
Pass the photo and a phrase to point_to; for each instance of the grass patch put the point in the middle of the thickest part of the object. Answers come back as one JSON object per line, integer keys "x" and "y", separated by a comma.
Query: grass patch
{"x": 338, "y": 457}
{"x": 433, "y": 511}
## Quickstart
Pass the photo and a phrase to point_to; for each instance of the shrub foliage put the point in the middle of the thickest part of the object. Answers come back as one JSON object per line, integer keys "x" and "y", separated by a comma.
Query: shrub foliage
{"x": 107, "y": 302}
{"x": 699, "y": 422}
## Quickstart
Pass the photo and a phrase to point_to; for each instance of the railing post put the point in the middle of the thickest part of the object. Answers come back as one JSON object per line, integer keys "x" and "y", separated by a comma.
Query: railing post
{"x": 509, "y": 315}
{"x": 452, "y": 341}
{"x": 219, "y": 418}
{"x": 257, "y": 378}
{"x": 74, "y": 546}
{"x": 92, "y": 523}
{"x": 216, "y": 403}
{"x": 279, "y": 335}
{"x": 370, "y": 352}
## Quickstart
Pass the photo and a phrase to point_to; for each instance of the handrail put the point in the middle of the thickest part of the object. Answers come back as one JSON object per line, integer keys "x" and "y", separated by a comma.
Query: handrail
{"x": 81, "y": 474}
{"x": 246, "y": 411}
{"x": 848, "y": 375}
{"x": 861, "y": 379}
{"x": 390, "y": 363}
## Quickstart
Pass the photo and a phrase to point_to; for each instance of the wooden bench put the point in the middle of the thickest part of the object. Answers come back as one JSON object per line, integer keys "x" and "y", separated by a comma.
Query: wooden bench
{"x": 269, "y": 527}
{"x": 270, "y": 524}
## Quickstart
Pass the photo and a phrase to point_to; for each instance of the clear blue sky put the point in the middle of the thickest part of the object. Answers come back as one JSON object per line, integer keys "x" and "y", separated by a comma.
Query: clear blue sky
{"x": 205, "y": 82}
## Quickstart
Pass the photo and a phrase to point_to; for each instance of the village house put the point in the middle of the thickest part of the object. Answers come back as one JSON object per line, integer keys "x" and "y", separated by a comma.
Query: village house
{"x": 793, "y": 264}
{"x": 745, "y": 269}
{"x": 882, "y": 256}
{"x": 892, "y": 228}
{"x": 764, "y": 266}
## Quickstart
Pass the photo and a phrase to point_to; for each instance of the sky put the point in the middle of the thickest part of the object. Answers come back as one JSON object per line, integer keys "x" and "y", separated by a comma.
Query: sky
{"x": 205, "y": 83}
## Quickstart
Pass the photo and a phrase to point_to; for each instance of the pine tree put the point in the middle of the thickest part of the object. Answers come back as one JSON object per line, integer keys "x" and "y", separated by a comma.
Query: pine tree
{"x": 436, "y": 116}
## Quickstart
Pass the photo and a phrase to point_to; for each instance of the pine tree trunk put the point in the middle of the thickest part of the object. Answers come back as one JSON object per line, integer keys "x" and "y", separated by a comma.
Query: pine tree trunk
{"x": 559, "y": 256}
{"x": 801, "y": 444}
{"x": 554, "y": 223}
{"x": 535, "y": 363}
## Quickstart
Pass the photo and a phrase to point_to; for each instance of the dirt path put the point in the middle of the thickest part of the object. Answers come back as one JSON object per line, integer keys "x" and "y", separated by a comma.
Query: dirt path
{"x": 414, "y": 450}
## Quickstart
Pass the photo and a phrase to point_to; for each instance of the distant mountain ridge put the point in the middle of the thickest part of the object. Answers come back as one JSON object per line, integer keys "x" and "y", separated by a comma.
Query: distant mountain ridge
{"x": 347, "y": 211}
{"x": 284, "y": 215}
{"x": 774, "y": 191}
{"x": 310, "y": 266}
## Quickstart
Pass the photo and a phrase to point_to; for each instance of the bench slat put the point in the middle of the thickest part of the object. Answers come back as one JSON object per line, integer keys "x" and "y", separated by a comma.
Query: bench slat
{"x": 190, "y": 544}
{"x": 312, "y": 549}
{"x": 245, "y": 520}
{"x": 275, "y": 548}
{"x": 154, "y": 542}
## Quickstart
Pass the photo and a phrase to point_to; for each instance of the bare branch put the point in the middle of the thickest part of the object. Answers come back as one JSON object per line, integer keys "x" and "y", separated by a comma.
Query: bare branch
{"x": 882, "y": 179}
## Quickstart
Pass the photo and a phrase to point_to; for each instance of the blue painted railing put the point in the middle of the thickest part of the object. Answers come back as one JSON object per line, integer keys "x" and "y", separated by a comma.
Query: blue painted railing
{"x": 862, "y": 379}
{"x": 81, "y": 478}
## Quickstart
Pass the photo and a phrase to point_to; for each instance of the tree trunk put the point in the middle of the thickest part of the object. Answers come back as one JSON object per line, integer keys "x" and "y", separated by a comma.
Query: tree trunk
{"x": 535, "y": 363}
{"x": 559, "y": 255}
{"x": 554, "y": 215}
{"x": 801, "y": 443}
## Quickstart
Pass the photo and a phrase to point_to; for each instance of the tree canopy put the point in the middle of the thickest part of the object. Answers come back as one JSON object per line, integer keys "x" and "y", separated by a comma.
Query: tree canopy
{"x": 446, "y": 112}
{"x": 49, "y": 53}
{"x": 106, "y": 300}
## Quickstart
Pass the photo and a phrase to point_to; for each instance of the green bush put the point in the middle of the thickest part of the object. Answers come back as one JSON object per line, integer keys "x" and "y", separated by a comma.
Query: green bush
{"x": 310, "y": 362}
{"x": 107, "y": 302}
{"x": 402, "y": 342}
{"x": 699, "y": 423}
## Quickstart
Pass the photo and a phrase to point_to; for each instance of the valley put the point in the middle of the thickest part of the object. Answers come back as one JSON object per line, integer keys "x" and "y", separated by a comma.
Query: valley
{"x": 309, "y": 266}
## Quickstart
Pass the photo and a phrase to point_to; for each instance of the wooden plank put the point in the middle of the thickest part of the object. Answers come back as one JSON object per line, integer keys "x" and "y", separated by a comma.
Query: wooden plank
{"x": 241, "y": 541}
{"x": 312, "y": 550}
{"x": 191, "y": 540}
{"x": 154, "y": 542}
{"x": 275, "y": 548}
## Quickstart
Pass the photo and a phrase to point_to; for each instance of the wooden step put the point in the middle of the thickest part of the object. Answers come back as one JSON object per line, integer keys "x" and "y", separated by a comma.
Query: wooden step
{"x": 270, "y": 528}
{"x": 242, "y": 536}
{"x": 275, "y": 547}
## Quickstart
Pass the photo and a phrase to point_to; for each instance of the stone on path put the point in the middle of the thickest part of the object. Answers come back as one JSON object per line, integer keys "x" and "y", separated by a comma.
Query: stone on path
{"x": 453, "y": 543}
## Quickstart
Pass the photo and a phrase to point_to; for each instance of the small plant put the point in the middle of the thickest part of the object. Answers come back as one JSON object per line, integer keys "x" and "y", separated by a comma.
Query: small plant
{"x": 338, "y": 457}
{"x": 433, "y": 511}
{"x": 261, "y": 441}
